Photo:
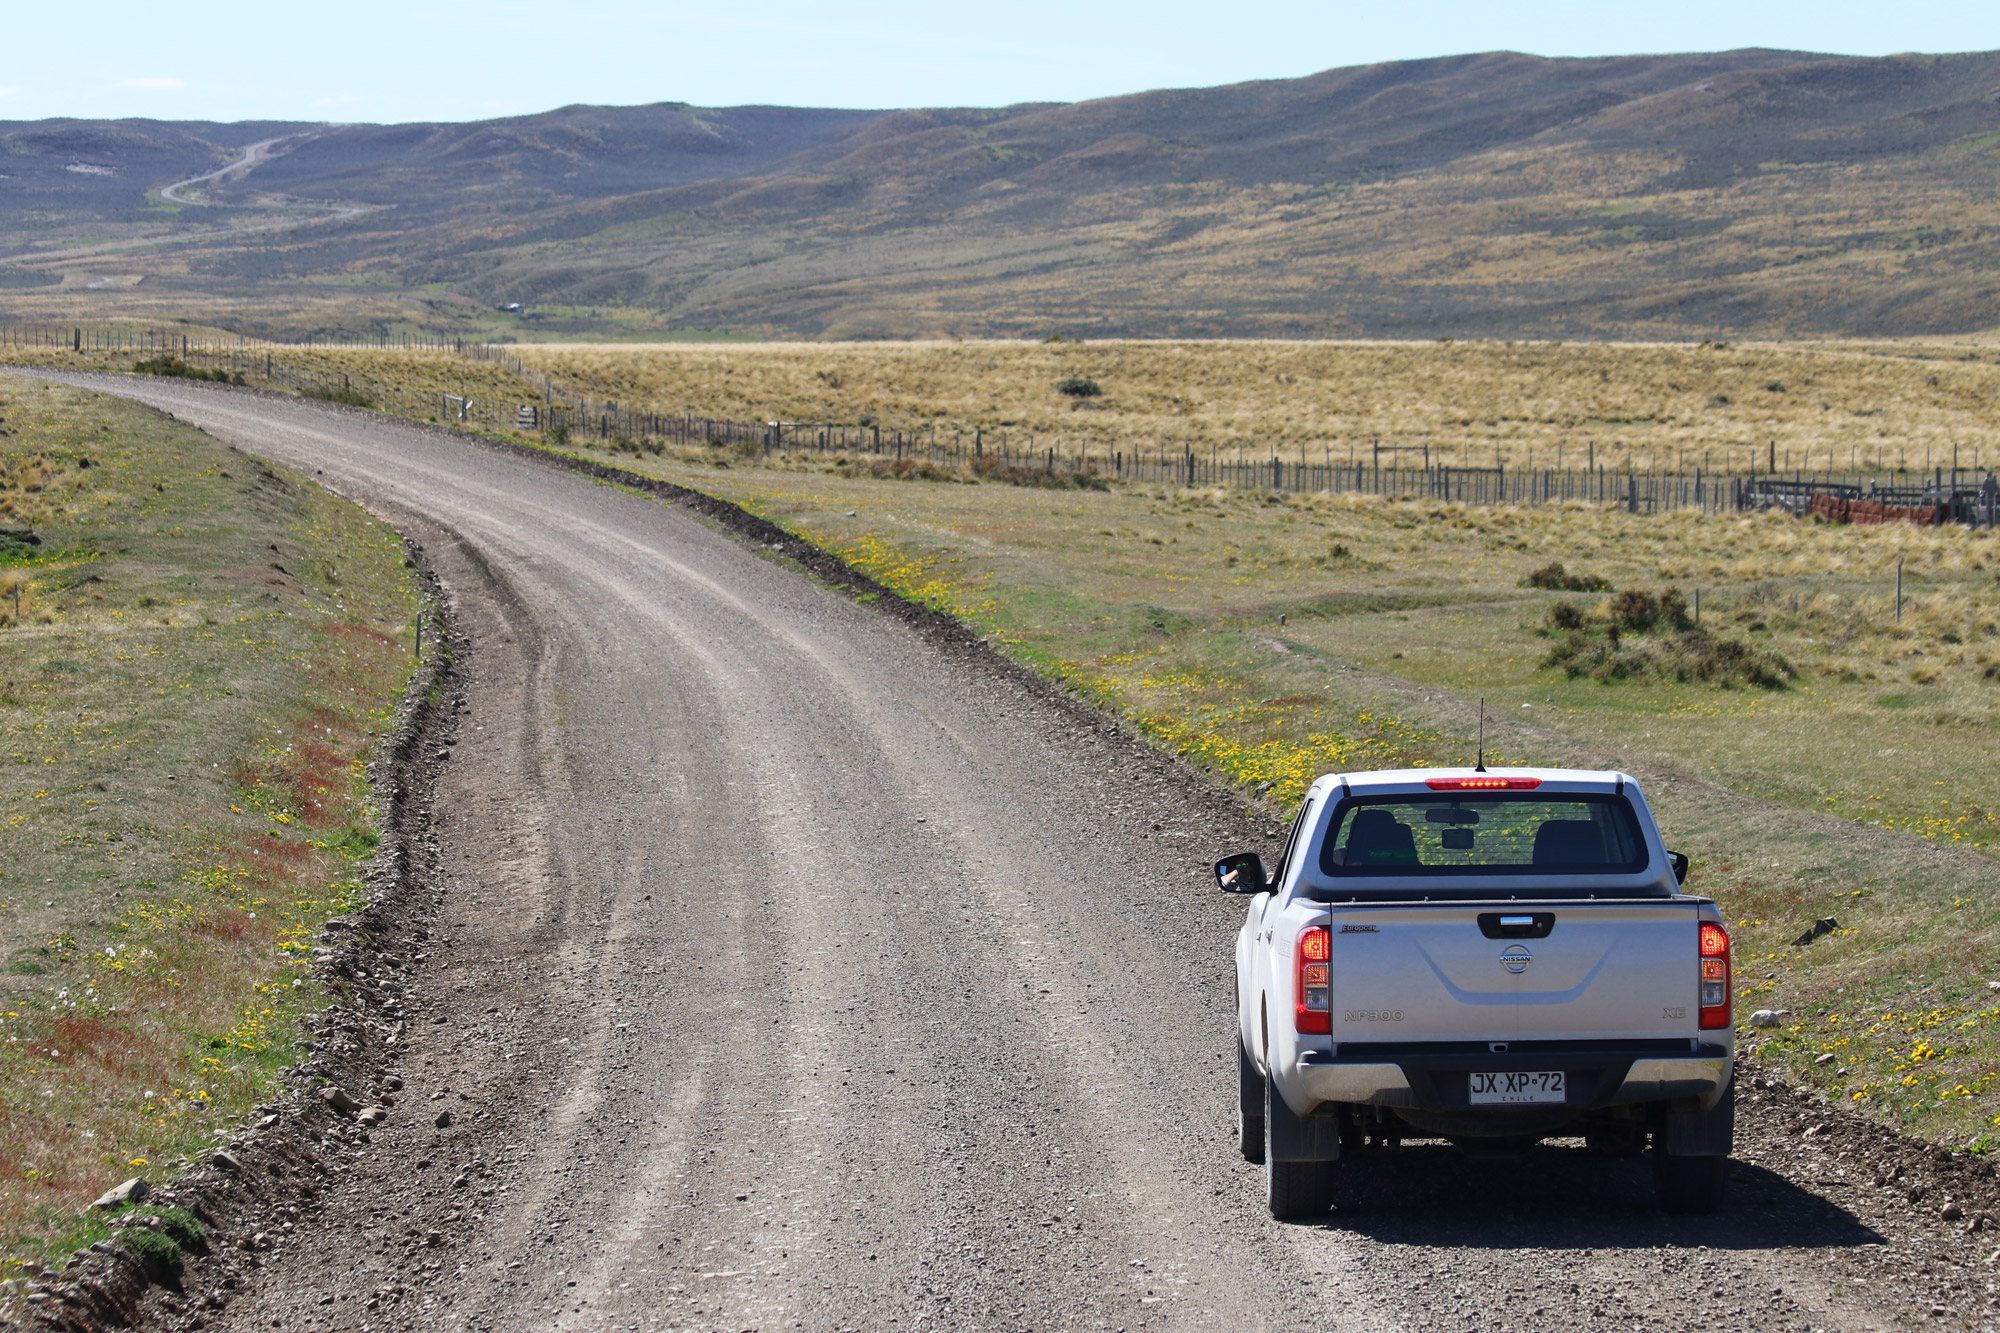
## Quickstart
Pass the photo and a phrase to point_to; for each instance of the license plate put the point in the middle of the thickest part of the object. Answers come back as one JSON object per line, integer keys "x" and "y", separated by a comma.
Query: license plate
{"x": 1517, "y": 1089}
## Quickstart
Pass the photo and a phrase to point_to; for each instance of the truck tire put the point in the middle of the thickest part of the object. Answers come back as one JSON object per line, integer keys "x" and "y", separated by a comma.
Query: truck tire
{"x": 1249, "y": 1108}
{"x": 1689, "y": 1184}
{"x": 1294, "y": 1190}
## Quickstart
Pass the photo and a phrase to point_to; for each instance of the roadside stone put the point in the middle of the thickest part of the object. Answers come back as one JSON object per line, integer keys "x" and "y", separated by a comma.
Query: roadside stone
{"x": 1769, "y": 1018}
{"x": 131, "y": 1191}
{"x": 1825, "y": 1059}
{"x": 226, "y": 1161}
{"x": 1951, "y": 1212}
{"x": 443, "y": 1120}
{"x": 338, "y": 1100}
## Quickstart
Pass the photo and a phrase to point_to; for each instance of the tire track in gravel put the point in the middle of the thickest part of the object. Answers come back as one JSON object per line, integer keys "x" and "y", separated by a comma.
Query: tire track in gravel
{"x": 794, "y": 972}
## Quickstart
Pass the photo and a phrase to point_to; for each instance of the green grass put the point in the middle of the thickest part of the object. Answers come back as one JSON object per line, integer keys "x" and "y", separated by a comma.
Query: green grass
{"x": 184, "y": 712}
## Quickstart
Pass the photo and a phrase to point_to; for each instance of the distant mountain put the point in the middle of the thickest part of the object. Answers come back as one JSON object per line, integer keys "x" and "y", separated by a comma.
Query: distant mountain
{"x": 1764, "y": 192}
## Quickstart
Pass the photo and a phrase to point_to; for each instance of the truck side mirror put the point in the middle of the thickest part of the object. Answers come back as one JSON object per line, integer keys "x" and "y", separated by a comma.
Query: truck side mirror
{"x": 1242, "y": 872}
{"x": 1680, "y": 866}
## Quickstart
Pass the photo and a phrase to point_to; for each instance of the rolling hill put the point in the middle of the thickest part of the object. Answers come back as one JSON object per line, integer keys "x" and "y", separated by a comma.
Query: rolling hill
{"x": 1499, "y": 195}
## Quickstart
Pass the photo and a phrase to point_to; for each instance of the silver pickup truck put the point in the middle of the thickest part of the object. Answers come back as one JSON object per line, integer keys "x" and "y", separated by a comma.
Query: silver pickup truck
{"x": 1487, "y": 957}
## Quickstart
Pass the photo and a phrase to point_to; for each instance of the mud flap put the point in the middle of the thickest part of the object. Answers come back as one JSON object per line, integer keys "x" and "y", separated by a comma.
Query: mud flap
{"x": 1289, "y": 1137}
{"x": 1693, "y": 1132}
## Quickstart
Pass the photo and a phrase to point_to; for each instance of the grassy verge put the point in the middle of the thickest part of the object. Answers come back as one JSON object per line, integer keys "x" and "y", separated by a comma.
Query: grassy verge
{"x": 1272, "y": 638}
{"x": 205, "y": 652}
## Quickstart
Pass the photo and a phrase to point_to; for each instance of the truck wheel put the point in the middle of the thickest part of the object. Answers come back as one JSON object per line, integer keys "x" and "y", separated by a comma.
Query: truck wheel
{"x": 1294, "y": 1189}
{"x": 1249, "y": 1108}
{"x": 1689, "y": 1184}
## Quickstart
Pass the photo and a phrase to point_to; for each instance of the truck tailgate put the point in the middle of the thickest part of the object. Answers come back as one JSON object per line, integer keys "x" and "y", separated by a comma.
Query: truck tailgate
{"x": 1430, "y": 972}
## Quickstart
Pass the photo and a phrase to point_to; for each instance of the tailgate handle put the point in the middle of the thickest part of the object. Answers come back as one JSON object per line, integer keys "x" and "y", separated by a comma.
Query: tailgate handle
{"x": 1516, "y": 925}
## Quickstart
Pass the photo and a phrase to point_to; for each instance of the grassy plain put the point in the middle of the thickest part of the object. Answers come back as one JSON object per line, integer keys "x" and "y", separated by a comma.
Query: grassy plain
{"x": 206, "y": 652}
{"x": 1846, "y": 407}
{"x": 1522, "y": 405}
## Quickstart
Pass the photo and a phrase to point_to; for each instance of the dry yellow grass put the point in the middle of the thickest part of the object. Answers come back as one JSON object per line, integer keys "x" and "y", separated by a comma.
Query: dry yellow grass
{"x": 1843, "y": 407}
{"x": 1538, "y": 405}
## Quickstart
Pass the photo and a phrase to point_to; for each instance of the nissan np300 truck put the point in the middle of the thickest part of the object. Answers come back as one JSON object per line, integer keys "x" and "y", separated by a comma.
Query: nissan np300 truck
{"x": 1488, "y": 957}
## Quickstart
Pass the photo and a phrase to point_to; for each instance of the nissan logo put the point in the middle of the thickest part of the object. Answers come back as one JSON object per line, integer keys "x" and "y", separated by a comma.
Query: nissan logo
{"x": 1516, "y": 958}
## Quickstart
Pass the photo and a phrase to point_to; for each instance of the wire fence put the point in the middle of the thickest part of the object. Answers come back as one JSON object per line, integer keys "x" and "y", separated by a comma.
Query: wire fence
{"x": 557, "y": 412}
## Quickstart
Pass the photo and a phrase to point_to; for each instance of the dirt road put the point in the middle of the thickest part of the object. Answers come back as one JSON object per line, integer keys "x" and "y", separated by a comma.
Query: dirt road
{"x": 252, "y": 155}
{"x": 793, "y": 972}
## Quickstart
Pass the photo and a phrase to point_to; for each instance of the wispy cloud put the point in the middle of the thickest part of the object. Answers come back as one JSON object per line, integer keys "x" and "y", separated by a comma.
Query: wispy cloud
{"x": 152, "y": 83}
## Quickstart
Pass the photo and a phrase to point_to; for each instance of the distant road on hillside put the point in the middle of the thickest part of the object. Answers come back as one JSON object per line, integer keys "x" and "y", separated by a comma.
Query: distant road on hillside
{"x": 252, "y": 155}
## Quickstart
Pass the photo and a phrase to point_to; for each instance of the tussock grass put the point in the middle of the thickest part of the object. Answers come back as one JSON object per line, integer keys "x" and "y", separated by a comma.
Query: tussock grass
{"x": 1527, "y": 405}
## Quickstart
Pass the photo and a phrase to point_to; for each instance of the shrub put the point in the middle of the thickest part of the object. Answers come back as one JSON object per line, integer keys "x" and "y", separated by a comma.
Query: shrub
{"x": 171, "y": 366}
{"x": 345, "y": 396}
{"x": 1694, "y": 655}
{"x": 915, "y": 469}
{"x": 1076, "y": 386}
{"x": 1565, "y": 616}
{"x": 1634, "y": 609}
{"x": 1557, "y": 578}
{"x": 557, "y": 435}
{"x": 1041, "y": 478}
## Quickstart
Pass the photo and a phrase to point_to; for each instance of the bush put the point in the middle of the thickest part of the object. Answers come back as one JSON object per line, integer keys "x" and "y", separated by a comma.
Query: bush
{"x": 1565, "y": 616}
{"x": 171, "y": 366}
{"x": 1558, "y": 579}
{"x": 557, "y": 435}
{"x": 1641, "y": 611}
{"x": 1076, "y": 386}
{"x": 1041, "y": 478}
{"x": 914, "y": 469}
{"x": 345, "y": 396}
{"x": 1694, "y": 655}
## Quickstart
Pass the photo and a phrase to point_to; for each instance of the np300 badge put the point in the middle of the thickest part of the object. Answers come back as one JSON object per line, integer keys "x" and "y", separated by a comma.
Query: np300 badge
{"x": 1516, "y": 958}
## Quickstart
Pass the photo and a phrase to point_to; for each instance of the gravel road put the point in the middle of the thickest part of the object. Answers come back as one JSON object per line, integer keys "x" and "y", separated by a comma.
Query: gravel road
{"x": 793, "y": 971}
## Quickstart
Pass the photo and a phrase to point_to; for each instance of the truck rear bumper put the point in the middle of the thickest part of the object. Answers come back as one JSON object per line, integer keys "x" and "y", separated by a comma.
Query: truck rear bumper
{"x": 1435, "y": 1075}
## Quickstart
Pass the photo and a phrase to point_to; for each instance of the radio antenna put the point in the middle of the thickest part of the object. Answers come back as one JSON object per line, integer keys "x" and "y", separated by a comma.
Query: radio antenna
{"x": 1480, "y": 766}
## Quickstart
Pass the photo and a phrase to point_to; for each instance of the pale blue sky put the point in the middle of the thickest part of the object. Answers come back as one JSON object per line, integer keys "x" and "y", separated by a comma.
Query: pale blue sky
{"x": 449, "y": 60}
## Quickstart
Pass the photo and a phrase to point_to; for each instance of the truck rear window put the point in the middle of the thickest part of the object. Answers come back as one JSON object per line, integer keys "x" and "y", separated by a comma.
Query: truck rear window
{"x": 1474, "y": 834}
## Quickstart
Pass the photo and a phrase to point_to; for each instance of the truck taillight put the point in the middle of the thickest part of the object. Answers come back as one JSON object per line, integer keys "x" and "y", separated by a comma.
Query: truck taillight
{"x": 1714, "y": 976}
{"x": 1314, "y": 1005}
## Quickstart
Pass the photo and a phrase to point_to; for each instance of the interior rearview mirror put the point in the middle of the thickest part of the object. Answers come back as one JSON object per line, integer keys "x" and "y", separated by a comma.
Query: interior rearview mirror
{"x": 1680, "y": 866}
{"x": 1242, "y": 873}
